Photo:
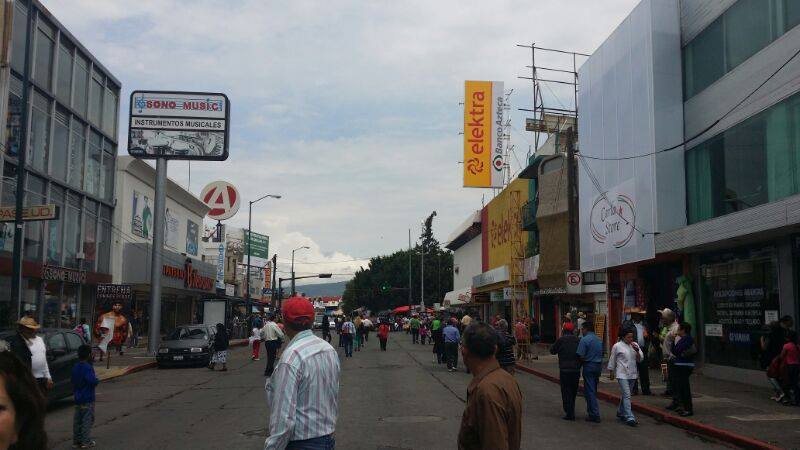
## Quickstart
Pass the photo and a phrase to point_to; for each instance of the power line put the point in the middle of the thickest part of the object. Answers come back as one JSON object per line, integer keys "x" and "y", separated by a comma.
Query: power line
{"x": 706, "y": 129}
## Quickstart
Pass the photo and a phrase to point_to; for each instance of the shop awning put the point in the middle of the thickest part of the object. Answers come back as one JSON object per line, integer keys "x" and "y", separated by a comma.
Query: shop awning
{"x": 404, "y": 309}
{"x": 457, "y": 297}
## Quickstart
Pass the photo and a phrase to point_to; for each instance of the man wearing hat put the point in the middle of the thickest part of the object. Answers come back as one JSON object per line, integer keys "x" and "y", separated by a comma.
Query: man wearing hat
{"x": 30, "y": 349}
{"x": 669, "y": 333}
{"x": 302, "y": 393}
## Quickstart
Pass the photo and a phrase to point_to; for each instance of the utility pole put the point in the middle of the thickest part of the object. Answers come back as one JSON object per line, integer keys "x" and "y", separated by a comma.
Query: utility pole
{"x": 571, "y": 206}
{"x": 158, "y": 247}
{"x": 409, "y": 271}
{"x": 422, "y": 274}
{"x": 16, "y": 278}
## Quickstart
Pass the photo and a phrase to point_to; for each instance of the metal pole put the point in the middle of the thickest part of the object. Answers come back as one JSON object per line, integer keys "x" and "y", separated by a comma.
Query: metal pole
{"x": 409, "y": 271}
{"x": 422, "y": 274}
{"x": 571, "y": 208}
{"x": 16, "y": 277}
{"x": 158, "y": 247}
{"x": 273, "y": 303}
{"x": 249, "y": 243}
{"x": 293, "y": 272}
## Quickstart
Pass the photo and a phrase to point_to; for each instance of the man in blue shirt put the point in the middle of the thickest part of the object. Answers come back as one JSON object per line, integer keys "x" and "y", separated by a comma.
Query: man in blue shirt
{"x": 84, "y": 382}
{"x": 451, "y": 339}
{"x": 590, "y": 354}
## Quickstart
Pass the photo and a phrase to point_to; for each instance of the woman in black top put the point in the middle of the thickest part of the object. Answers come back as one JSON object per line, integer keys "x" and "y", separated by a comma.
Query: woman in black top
{"x": 220, "y": 348}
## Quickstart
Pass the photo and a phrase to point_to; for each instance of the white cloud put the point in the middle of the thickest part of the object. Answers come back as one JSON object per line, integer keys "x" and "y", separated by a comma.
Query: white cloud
{"x": 349, "y": 109}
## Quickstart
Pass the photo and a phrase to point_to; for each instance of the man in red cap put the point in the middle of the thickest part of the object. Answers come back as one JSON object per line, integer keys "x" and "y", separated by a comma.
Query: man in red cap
{"x": 566, "y": 348}
{"x": 302, "y": 393}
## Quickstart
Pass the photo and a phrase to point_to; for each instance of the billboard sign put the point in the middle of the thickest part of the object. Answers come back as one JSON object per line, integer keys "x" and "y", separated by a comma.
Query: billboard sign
{"x": 497, "y": 221}
{"x": 483, "y": 134}
{"x": 259, "y": 248}
{"x": 179, "y": 125}
{"x": 222, "y": 198}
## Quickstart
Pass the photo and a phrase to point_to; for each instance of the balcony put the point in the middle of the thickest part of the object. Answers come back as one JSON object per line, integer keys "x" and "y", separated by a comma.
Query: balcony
{"x": 529, "y": 216}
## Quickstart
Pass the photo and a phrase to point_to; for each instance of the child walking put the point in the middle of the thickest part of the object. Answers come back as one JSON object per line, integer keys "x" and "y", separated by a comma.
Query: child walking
{"x": 84, "y": 382}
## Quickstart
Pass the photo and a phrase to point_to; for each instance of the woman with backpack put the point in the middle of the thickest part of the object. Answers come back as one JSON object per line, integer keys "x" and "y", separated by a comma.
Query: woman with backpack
{"x": 684, "y": 350}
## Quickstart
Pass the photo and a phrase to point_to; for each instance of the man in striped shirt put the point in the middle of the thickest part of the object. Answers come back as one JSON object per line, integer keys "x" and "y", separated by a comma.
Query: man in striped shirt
{"x": 302, "y": 393}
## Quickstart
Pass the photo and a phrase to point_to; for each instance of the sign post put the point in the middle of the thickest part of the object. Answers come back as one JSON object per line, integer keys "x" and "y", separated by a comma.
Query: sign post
{"x": 173, "y": 125}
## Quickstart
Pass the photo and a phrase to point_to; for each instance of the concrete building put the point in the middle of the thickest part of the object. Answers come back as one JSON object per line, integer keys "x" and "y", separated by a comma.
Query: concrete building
{"x": 466, "y": 245}
{"x": 690, "y": 193}
{"x": 71, "y": 151}
{"x": 186, "y": 280}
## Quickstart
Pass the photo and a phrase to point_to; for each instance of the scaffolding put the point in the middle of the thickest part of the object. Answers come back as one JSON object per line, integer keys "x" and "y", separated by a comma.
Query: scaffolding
{"x": 548, "y": 120}
{"x": 520, "y": 308}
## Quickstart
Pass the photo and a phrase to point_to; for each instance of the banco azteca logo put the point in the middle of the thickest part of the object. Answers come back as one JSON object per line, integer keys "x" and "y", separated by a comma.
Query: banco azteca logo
{"x": 498, "y": 163}
{"x": 475, "y": 166}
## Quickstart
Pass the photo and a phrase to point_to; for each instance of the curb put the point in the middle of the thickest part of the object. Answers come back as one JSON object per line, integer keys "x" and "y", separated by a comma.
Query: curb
{"x": 677, "y": 421}
{"x": 152, "y": 364}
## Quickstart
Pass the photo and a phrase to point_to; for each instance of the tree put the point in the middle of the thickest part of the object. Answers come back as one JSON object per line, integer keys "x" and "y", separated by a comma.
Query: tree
{"x": 384, "y": 284}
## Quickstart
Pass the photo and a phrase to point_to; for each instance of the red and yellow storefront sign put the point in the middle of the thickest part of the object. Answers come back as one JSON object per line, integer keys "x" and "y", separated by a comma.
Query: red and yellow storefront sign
{"x": 497, "y": 220}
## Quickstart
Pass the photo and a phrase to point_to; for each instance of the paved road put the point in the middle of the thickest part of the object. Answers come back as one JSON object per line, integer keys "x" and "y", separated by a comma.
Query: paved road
{"x": 391, "y": 400}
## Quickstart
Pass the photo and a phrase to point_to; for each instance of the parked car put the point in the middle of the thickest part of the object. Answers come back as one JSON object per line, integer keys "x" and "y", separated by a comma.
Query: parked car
{"x": 62, "y": 353}
{"x": 187, "y": 345}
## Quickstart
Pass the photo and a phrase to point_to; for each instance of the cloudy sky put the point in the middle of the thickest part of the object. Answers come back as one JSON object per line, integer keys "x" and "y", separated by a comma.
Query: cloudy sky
{"x": 350, "y": 110}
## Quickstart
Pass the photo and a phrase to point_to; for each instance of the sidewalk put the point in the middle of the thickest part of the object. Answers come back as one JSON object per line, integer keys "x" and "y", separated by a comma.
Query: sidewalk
{"x": 729, "y": 411}
{"x": 134, "y": 360}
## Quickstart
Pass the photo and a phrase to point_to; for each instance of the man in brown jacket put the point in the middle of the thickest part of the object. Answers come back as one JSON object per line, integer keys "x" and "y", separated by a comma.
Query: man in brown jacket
{"x": 493, "y": 415}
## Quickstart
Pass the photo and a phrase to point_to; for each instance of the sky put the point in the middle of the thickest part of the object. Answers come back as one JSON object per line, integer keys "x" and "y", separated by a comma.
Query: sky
{"x": 349, "y": 110}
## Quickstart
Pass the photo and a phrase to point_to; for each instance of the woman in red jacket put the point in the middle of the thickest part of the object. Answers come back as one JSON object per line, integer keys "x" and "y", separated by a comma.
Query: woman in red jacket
{"x": 383, "y": 334}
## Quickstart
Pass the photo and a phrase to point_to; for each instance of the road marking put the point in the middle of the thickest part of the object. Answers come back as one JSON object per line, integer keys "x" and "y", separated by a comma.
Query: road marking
{"x": 766, "y": 417}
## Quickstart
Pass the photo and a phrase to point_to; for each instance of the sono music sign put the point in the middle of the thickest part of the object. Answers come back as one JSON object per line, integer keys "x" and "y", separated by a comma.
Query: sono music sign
{"x": 613, "y": 219}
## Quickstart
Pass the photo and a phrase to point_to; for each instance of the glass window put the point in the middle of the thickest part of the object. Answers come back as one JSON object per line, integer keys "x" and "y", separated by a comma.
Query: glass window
{"x": 791, "y": 14}
{"x": 8, "y": 198}
{"x": 64, "y": 84}
{"x": 81, "y": 94}
{"x": 104, "y": 247}
{"x": 90, "y": 235}
{"x": 704, "y": 59}
{"x": 107, "y": 173}
{"x": 40, "y": 132}
{"x": 738, "y": 286}
{"x": 34, "y": 195}
{"x": 92, "y": 181}
{"x": 14, "y": 122}
{"x": 76, "y": 152}
{"x": 73, "y": 340}
{"x": 69, "y": 311}
{"x": 96, "y": 99}
{"x": 72, "y": 236}
{"x": 55, "y": 227}
{"x": 19, "y": 25}
{"x": 55, "y": 341}
{"x": 110, "y": 113}
{"x": 60, "y": 153}
{"x": 752, "y": 163}
{"x": 43, "y": 70}
{"x": 747, "y": 30}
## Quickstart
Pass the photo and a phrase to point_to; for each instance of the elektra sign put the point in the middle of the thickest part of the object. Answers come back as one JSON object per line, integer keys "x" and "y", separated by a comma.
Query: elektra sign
{"x": 613, "y": 219}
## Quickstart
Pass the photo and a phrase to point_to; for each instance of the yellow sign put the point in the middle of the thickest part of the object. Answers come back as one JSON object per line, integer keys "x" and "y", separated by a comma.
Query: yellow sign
{"x": 500, "y": 215}
{"x": 483, "y": 134}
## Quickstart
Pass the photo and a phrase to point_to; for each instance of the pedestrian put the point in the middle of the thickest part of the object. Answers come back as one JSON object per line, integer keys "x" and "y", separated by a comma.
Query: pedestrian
{"x": 521, "y": 336}
{"x": 684, "y": 351}
{"x": 505, "y": 347}
{"x": 272, "y": 335}
{"x": 492, "y": 417}
{"x": 451, "y": 339}
{"x": 31, "y": 350}
{"x": 772, "y": 346}
{"x": 359, "y": 331}
{"x": 339, "y": 323}
{"x": 642, "y": 338}
{"x": 84, "y": 382}
{"x": 348, "y": 334}
{"x": 423, "y": 332}
{"x": 625, "y": 355}
{"x": 367, "y": 324}
{"x": 669, "y": 332}
{"x": 383, "y": 335}
{"x": 22, "y": 406}
{"x": 255, "y": 343}
{"x": 590, "y": 355}
{"x": 135, "y": 329}
{"x": 326, "y": 328}
{"x": 466, "y": 320}
{"x": 414, "y": 325}
{"x": 302, "y": 394}
{"x": 83, "y": 329}
{"x": 790, "y": 355}
{"x": 569, "y": 375}
{"x": 438, "y": 340}
{"x": 221, "y": 341}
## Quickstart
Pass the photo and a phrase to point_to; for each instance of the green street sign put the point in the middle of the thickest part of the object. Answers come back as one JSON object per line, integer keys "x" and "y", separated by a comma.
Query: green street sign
{"x": 260, "y": 245}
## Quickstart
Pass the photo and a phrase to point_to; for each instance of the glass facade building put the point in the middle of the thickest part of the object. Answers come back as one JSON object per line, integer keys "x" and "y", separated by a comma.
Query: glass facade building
{"x": 71, "y": 154}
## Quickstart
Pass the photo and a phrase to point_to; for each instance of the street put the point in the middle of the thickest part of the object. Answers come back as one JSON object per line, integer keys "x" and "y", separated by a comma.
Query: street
{"x": 399, "y": 399}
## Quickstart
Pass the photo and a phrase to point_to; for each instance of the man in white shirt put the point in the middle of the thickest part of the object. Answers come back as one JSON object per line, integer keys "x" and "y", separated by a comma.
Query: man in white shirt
{"x": 272, "y": 335}
{"x": 302, "y": 394}
{"x": 27, "y": 338}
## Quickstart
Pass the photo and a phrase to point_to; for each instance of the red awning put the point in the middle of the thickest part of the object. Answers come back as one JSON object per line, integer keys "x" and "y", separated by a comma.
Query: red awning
{"x": 404, "y": 309}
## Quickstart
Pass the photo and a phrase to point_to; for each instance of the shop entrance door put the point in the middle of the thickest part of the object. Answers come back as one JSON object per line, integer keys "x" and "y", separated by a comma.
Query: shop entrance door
{"x": 547, "y": 318}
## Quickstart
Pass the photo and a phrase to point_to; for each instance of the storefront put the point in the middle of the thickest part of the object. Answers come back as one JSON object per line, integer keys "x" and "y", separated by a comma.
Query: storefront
{"x": 740, "y": 295}
{"x": 488, "y": 293}
{"x": 185, "y": 282}
{"x": 57, "y": 297}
